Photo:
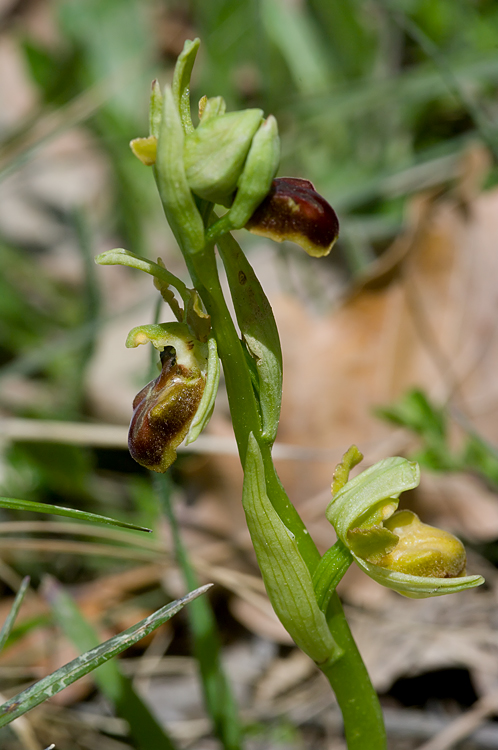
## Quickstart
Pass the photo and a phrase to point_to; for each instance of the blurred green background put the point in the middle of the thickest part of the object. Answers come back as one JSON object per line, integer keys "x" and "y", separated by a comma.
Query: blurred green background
{"x": 376, "y": 100}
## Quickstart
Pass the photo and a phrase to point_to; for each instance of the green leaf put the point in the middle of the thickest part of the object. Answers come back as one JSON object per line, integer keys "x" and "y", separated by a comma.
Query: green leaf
{"x": 285, "y": 574}
{"x": 55, "y": 510}
{"x": 258, "y": 328}
{"x": 144, "y": 727}
{"x": 82, "y": 665}
{"x": 292, "y": 30}
{"x": 9, "y": 622}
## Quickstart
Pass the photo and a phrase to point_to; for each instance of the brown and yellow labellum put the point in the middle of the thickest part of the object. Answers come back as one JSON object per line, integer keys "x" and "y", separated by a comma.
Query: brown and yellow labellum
{"x": 294, "y": 211}
{"x": 163, "y": 412}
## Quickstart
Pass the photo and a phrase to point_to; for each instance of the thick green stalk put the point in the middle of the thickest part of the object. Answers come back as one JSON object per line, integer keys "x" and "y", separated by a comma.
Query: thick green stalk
{"x": 243, "y": 406}
{"x": 348, "y": 676}
{"x": 350, "y": 681}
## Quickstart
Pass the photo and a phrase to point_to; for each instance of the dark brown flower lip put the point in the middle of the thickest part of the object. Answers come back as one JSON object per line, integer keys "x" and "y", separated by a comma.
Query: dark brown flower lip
{"x": 294, "y": 211}
{"x": 163, "y": 412}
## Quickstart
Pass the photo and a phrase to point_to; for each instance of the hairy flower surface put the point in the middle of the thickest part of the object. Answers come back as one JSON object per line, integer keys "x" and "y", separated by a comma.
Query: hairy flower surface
{"x": 163, "y": 412}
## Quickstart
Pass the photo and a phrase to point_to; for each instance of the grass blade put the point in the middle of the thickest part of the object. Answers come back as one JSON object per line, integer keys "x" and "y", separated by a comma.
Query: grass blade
{"x": 11, "y": 617}
{"x": 14, "y": 504}
{"x": 206, "y": 647}
{"x": 144, "y": 727}
{"x": 82, "y": 665}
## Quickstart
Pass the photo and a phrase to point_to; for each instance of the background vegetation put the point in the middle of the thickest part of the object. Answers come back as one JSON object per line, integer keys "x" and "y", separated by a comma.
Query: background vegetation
{"x": 377, "y": 101}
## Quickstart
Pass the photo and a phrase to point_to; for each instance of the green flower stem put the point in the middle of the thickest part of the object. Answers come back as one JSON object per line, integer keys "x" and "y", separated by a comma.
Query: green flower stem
{"x": 348, "y": 676}
{"x": 329, "y": 572}
{"x": 350, "y": 681}
{"x": 243, "y": 406}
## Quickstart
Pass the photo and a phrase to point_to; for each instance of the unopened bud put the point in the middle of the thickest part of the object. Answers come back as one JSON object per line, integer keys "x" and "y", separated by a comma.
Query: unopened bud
{"x": 294, "y": 211}
{"x": 215, "y": 152}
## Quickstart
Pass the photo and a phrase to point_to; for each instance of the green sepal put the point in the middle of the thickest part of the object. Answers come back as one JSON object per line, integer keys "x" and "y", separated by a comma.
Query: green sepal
{"x": 179, "y": 205}
{"x": 181, "y": 82}
{"x": 189, "y": 351}
{"x": 417, "y": 587}
{"x": 215, "y": 152}
{"x": 285, "y": 574}
{"x": 259, "y": 331}
{"x": 155, "y": 109}
{"x": 259, "y": 170}
{"x": 372, "y": 496}
{"x": 205, "y": 410}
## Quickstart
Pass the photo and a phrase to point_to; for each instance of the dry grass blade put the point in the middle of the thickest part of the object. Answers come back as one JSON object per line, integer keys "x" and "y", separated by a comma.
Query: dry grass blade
{"x": 465, "y": 725}
{"x": 116, "y": 436}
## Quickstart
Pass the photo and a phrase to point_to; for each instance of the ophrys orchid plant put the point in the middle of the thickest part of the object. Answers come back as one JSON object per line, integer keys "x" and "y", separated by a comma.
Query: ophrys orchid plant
{"x": 230, "y": 160}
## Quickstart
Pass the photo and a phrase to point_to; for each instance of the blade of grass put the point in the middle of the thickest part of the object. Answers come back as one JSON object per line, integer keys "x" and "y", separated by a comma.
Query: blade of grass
{"x": 86, "y": 663}
{"x": 206, "y": 647}
{"x": 487, "y": 132}
{"x": 291, "y": 29}
{"x": 56, "y": 510}
{"x": 144, "y": 727}
{"x": 11, "y": 617}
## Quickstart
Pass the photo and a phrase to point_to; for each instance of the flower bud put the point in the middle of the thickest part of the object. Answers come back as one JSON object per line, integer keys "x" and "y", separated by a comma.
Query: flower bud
{"x": 294, "y": 211}
{"x": 213, "y": 107}
{"x": 215, "y": 152}
{"x": 178, "y": 403}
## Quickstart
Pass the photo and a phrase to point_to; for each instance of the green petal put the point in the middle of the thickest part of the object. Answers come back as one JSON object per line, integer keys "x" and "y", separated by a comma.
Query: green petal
{"x": 372, "y": 496}
{"x": 417, "y": 587}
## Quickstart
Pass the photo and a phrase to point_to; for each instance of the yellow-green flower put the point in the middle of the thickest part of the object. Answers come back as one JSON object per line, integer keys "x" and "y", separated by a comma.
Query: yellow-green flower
{"x": 397, "y": 549}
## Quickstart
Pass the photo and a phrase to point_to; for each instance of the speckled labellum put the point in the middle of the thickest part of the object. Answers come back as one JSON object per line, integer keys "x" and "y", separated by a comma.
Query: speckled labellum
{"x": 294, "y": 211}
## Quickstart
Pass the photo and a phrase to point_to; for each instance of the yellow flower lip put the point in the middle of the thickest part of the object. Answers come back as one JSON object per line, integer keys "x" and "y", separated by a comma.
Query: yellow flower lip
{"x": 294, "y": 211}
{"x": 423, "y": 550}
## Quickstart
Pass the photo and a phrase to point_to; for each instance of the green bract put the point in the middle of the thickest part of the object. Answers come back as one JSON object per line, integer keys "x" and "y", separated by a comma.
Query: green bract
{"x": 386, "y": 546}
{"x": 259, "y": 331}
{"x": 285, "y": 574}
